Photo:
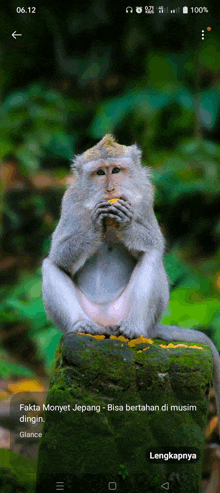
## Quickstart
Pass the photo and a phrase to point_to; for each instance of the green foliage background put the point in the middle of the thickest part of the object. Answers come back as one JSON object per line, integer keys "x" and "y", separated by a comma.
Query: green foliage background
{"x": 77, "y": 73}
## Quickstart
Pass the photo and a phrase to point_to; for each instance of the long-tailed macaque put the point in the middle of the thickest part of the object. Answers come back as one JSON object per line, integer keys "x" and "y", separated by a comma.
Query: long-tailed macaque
{"x": 105, "y": 272}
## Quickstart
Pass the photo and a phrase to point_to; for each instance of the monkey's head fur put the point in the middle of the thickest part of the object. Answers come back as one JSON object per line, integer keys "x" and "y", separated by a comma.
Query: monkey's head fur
{"x": 107, "y": 150}
{"x": 106, "y": 153}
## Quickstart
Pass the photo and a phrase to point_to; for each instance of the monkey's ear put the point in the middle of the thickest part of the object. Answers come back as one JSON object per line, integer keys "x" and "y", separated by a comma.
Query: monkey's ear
{"x": 77, "y": 165}
{"x": 135, "y": 154}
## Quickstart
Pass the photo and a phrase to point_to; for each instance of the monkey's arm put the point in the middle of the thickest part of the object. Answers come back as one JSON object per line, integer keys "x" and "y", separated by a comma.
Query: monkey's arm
{"x": 172, "y": 333}
{"x": 74, "y": 239}
{"x": 138, "y": 231}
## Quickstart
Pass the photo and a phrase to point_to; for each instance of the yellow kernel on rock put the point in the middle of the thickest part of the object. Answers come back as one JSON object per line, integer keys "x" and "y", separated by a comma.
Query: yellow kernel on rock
{"x": 197, "y": 347}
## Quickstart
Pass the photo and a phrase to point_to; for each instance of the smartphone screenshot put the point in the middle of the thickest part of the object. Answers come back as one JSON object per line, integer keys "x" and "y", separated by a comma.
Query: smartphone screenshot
{"x": 109, "y": 179}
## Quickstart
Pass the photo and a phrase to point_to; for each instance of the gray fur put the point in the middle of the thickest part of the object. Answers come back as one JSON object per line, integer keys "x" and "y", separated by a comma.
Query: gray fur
{"x": 110, "y": 278}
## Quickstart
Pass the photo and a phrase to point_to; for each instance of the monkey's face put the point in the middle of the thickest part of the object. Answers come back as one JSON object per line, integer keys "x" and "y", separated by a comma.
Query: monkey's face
{"x": 109, "y": 178}
{"x": 112, "y": 180}
{"x": 105, "y": 181}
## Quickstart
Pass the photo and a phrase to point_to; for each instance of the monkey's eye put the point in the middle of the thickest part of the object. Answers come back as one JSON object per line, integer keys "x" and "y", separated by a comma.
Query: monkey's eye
{"x": 100, "y": 172}
{"x": 116, "y": 170}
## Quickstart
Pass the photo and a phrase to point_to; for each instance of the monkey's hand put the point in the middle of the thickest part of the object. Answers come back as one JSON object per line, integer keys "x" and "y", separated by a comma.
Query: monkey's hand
{"x": 128, "y": 330}
{"x": 89, "y": 327}
{"x": 121, "y": 211}
{"x": 99, "y": 214}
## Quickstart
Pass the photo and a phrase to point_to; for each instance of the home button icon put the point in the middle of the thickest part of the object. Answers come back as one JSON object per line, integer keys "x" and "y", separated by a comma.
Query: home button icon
{"x": 112, "y": 486}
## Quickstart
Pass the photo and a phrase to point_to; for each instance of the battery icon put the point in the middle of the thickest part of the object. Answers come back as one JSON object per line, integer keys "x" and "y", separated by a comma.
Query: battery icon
{"x": 185, "y": 10}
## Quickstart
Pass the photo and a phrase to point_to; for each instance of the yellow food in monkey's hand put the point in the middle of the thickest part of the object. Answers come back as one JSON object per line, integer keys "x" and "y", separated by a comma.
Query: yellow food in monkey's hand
{"x": 113, "y": 200}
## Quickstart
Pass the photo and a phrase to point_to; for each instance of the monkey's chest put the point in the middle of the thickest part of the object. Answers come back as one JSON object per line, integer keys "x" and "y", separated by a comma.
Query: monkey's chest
{"x": 104, "y": 276}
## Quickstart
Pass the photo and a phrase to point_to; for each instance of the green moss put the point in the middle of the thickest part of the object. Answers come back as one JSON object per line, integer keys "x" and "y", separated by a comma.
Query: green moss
{"x": 93, "y": 442}
{"x": 17, "y": 473}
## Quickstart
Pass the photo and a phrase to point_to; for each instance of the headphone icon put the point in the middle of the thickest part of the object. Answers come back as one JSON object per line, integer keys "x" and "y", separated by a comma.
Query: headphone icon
{"x": 129, "y": 11}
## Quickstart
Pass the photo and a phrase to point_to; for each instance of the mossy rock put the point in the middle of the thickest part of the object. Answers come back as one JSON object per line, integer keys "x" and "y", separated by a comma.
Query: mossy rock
{"x": 103, "y": 444}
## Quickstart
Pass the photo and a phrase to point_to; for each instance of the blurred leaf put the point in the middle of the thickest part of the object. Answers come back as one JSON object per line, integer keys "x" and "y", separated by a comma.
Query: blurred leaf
{"x": 15, "y": 99}
{"x": 24, "y": 302}
{"x": 176, "y": 270}
{"x": 29, "y": 311}
{"x": 17, "y": 471}
{"x": 161, "y": 71}
{"x": 185, "y": 98}
{"x": 13, "y": 216}
{"x": 209, "y": 55}
{"x": 47, "y": 342}
{"x": 209, "y": 107}
{"x": 27, "y": 158}
{"x": 55, "y": 97}
{"x": 34, "y": 120}
{"x": 10, "y": 369}
{"x": 185, "y": 314}
{"x": 178, "y": 63}
{"x": 112, "y": 112}
{"x": 62, "y": 145}
{"x": 5, "y": 147}
{"x": 211, "y": 147}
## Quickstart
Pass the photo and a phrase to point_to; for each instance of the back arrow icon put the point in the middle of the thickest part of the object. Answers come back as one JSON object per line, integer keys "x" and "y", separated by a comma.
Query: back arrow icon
{"x": 165, "y": 486}
{"x": 16, "y": 34}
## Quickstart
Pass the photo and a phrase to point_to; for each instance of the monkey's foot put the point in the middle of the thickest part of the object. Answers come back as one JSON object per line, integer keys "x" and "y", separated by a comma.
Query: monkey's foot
{"x": 89, "y": 327}
{"x": 129, "y": 330}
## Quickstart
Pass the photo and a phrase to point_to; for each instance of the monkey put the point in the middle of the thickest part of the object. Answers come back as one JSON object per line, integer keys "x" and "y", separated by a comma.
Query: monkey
{"x": 105, "y": 272}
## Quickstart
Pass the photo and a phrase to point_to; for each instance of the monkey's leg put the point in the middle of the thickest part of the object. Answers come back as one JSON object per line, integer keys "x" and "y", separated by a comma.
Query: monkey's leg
{"x": 62, "y": 304}
{"x": 145, "y": 297}
{"x": 172, "y": 333}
